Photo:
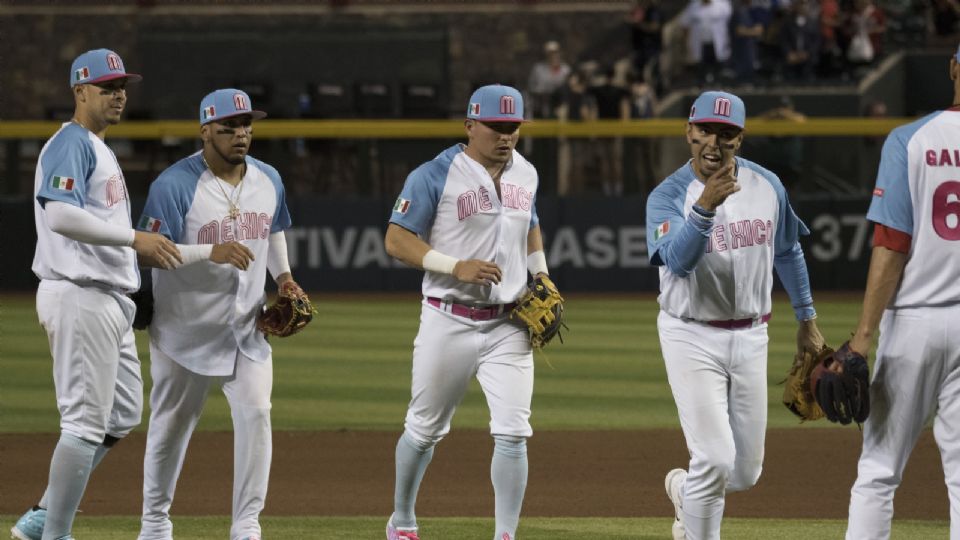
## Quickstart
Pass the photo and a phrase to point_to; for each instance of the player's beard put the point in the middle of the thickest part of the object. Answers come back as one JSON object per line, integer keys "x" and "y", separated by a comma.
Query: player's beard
{"x": 231, "y": 157}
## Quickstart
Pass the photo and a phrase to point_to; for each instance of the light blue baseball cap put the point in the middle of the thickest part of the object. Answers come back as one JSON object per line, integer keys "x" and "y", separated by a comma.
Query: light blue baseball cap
{"x": 957, "y": 56}
{"x": 496, "y": 103}
{"x": 97, "y": 66}
{"x": 718, "y": 107}
{"x": 224, "y": 103}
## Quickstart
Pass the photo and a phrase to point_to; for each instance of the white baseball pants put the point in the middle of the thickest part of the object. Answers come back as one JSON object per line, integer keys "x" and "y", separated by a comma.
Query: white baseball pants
{"x": 917, "y": 372}
{"x": 447, "y": 352}
{"x": 96, "y": 372}
{"x": 176, "y": 402}
{"x": 719, "y": 382}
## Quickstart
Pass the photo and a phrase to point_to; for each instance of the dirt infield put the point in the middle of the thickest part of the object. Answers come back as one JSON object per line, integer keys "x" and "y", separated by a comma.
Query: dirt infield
{"x": 807, "y": 474}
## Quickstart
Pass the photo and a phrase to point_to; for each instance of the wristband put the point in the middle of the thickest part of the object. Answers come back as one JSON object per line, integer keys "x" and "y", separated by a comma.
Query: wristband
{"x": 704, "y": 212}
{"x": 194, "y": 253}
{"x": 537, "y": 263}
{"x": 435, "y": 261}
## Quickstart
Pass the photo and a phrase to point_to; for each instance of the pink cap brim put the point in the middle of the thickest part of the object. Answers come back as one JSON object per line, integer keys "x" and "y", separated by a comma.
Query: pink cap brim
{"x": 257, "y": 115}
{"x": 500, "y": 119}
{"x": 715, "y": 121}
{"x": 131, "y": 77}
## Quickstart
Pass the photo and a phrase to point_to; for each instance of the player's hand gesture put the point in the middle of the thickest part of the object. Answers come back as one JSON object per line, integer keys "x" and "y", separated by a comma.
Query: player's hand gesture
{"x": 718, "y": 187}
{"x": 477, "y": 271}
{"x": 233, "y": 253}
{"x": 157, "y": 250}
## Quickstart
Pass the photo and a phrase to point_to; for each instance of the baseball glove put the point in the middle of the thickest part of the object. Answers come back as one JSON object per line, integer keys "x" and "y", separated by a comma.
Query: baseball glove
{"x": 841, "y": 384}
{"x": 797, "y": 395}
{"x": 288, "y": 315}
{"x": 541, "y": 309}
{"x": 143, "y": 299}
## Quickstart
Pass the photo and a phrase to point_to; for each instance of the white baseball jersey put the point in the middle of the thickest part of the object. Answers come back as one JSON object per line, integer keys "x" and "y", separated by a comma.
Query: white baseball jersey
{"x": 918, "y": 193}
{"x": 205, "y": 312}
{"x": 734, "y": 278}
{"x": 452, "y": 204}
{"x": 76, "y": 167}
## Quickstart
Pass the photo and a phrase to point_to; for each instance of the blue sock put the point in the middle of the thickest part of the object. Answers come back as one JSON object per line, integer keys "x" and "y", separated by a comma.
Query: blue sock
{"x": 508, "y": 471}
{"x": 412, "y": 459}
{"x": 69, "y": 471}
{"x": 97, "y": 458}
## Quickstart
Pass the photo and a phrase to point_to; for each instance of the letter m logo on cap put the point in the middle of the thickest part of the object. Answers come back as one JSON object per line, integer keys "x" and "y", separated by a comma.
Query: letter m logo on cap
{"x": 114, "y": 63}
{"x": 507, "y": 105}
{"x": 722, "y": 107}
{"x": 240, "y": 102}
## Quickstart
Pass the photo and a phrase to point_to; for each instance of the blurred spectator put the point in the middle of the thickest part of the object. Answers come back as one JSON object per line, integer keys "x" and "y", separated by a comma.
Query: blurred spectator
{"x": 642, "y": 151}
{"x": 747, "y": 30}
{"x": 610, "y": 102}
{"x": 800, "y": 42}
{"x": 943, "y": 25}
{"x": 572, "y": 152}
{"x": 546, "y": 78}
{"x": 782, "y": 154}
{"x": 708, "y": 35}
{"x": 646, "y": 27}
{"x": 831, "y": 54}
{"x": 866, "y": 27}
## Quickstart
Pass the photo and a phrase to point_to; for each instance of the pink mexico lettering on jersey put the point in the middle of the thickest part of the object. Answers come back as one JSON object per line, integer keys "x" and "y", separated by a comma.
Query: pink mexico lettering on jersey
{"x": 743, "y": 233}
{"x": 484, "y": 195}
{"x": 515, "y": 197}
{"x": 250, "y": 226}
{"x": 467, "y": 205}
{"x": 471, "y": 202}
{"x": 945, "y": 157}
{"x": 116, "y": 191}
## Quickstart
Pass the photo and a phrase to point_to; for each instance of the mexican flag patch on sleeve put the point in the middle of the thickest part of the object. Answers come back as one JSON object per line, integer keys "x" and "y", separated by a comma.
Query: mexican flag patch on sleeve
{"x": 662, "y": 230}
{"x": 401, "y": 206}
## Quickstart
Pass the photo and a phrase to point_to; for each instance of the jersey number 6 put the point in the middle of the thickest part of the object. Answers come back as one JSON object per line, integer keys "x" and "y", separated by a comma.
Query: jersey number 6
{"x": 944, "y": 208}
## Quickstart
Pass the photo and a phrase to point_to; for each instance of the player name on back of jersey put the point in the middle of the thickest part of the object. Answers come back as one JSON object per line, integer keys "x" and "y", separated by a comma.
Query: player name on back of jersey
{"x": 249, "y": 226}
{"x": 741, "y": 234}
{"x": 945, "y": 157}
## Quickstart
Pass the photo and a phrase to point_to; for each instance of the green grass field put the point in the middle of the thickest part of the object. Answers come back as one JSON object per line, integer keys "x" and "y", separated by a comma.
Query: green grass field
{"x": 350, "y": 369}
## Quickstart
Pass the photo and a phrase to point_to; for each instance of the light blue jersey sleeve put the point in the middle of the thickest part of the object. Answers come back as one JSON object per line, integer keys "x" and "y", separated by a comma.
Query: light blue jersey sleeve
{"x": 170, "y": 198}
{"x": 534, "y": 218}
{"x": 675, "y": 240}
{"x": 281, "y": 216}
{"x": 67, "y": 162}
{"x": 891, "y": 204}
{"x": 788, "y": 258}
{"x": 416, "y": 206}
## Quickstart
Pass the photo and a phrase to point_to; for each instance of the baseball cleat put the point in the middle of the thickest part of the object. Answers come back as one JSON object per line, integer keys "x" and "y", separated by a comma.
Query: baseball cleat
{"x": 394, "y": 533}
{"x": 673, "y": 484}
{"x": 30, "y": 525}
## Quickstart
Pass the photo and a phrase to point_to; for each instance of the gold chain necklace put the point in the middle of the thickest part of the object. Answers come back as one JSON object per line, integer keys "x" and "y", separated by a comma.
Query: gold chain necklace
{"x": 234, "y": 204}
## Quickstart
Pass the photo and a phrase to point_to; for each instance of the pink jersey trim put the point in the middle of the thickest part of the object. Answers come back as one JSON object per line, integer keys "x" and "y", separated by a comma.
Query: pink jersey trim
{"x": 891, "y": 238}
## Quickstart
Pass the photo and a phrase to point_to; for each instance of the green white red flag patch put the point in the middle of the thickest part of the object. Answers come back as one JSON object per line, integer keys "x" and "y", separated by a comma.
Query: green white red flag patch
{"x": 662, "y": 230}
{"x": 401, "y": 206}
{"x": 64, "y": 183}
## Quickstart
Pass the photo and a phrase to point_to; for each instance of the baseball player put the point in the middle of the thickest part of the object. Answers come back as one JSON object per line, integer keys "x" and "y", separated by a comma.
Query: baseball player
{"x": 913, "y": 297}
{"x": 228, "y": 211}
{"x": 468, "y": 219}
{"x": 717, "y": 227}
{"x": 86, "y": 268}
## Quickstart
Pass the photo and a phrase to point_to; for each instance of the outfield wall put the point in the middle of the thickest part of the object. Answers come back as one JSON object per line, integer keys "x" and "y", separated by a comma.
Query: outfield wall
{"x": 592, "y": 243}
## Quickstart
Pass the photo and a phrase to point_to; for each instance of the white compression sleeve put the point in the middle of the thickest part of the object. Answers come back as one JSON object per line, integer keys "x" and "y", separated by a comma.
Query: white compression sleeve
{"x": 435, "y": 261}
{"x": 537, "y": 263}
{"x": 277, "y": 261}
{"x": 194, "y": 253}
{"x": 77, "y": 224}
